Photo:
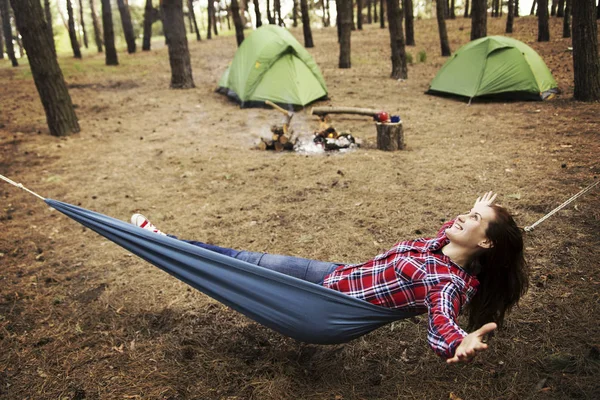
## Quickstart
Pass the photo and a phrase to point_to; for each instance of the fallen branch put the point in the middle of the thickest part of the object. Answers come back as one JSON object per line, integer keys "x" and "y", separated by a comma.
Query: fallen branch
{"x": 322, "y": 111}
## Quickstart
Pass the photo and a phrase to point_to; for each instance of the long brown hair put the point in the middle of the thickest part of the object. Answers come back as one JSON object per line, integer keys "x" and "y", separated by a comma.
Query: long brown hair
{"x": 501, "y": 270}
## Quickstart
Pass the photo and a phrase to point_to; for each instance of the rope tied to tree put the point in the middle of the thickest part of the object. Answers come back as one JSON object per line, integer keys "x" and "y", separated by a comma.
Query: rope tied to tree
{"x": 20, "y": 186}
{"x": 563, "y": 205}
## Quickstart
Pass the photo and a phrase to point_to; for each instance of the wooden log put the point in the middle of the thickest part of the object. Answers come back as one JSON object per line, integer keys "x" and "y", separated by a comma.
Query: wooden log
{"x": 390, "y": 137}
{"x": 321, "y": 111}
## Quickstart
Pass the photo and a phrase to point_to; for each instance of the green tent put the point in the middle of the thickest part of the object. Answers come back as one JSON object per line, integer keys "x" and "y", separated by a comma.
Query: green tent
{"x": 271, "y": 65}
{"x": 498, "y": 66}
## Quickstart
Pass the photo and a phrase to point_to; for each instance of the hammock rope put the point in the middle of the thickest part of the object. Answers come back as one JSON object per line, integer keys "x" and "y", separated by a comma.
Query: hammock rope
{"x": 560, "y": 207}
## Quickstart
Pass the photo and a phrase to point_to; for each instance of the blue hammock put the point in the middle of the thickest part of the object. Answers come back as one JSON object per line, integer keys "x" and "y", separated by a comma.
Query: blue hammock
{"x": 301, "y": 310}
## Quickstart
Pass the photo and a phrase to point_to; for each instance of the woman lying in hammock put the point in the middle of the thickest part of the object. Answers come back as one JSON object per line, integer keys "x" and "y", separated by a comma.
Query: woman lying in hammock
{"x": 475, "y": 263}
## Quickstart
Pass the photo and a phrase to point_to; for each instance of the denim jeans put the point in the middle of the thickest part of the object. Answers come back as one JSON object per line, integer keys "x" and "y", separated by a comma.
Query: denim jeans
{"x": 309, "y": 270}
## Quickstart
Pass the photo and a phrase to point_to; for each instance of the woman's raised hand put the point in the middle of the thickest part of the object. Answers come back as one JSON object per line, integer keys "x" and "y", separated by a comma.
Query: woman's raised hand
{"x": 472, "y": 344}
{"x": 487, "y": 199}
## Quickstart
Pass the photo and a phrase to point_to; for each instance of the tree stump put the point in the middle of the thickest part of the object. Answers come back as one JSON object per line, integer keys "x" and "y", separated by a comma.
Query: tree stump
{"x": 390, "y": 136}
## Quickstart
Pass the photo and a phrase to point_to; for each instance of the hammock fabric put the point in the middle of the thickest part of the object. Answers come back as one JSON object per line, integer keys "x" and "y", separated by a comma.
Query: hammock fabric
{"x": 301, "y": 310}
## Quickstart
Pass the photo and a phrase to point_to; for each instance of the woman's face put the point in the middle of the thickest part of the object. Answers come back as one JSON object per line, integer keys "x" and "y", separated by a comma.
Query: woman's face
{"x": 469, "y": 229}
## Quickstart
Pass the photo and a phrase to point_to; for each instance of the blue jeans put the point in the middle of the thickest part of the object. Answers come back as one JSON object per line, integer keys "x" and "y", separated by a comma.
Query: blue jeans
{"x": 309, "y": 270}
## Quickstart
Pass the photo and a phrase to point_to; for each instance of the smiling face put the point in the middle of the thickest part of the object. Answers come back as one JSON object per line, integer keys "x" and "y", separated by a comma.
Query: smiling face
{"x": 469, "y": 229}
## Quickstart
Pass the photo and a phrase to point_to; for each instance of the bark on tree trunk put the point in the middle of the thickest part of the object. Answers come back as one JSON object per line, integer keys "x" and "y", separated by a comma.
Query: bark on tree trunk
{"x": 1, "y": 38}
{"x": 257, "y": 13}
{"x": 381, "y": 14}
{"x": 397, "y": 46}
{"x": 375, "y": 18}
{"x": 359, "y": 14}
{"x": 179, "y": 55}
{"x": 478, "y": 19}
{"x": 390, "y": 137}
{"x": 543, "y": 28}
{"x": 567, "y": 20}
{"x": 210, "y": 11}
{"x": 345, "y": 32}
{"x": 109, "y": 34}
{"x": 516, "y": 8}
{"x": 237, "y": 21}
{"x": 214, "y": 17}
{"x": 586, "y": 63}
{"x": 48, "y": 14}
{"x": 72, "y": 33}
{"x": 444, "y": 45}
{"x": 127, "y": 25}
{"x": 452, "y": 12}
{"x": 533, "y": 7}
{"x": 467, "y": 9}
{"x": 369, "y": 11}
{"x": 277, "y": 5}
{"x": 560, "y": 11}
{"x": 270, "y": 18}
{"x": 510, "y": 17}
{"x": 194, "y": 22}
{"x": 295, "y": 14}
{"x": 308, "y": 40}
{"x": 598, "y": 10}
{"x": 410, "y": 26}
{"x": 553, "y": 6}
{"x": 46, "y": 72}
{"x": 85, "y": 37}
{"x": 96, "y": 24}
{"x": 148, "y": 21}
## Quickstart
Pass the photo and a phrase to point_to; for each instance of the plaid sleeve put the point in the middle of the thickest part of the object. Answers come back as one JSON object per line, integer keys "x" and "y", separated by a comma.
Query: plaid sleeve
{"x": 444, "y": 303}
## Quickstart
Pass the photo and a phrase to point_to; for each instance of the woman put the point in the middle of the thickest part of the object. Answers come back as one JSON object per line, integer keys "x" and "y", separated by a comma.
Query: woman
{"x": 475, "y": 263}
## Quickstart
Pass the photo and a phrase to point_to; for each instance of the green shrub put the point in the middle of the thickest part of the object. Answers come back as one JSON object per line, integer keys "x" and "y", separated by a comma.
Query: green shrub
{"x": 409, "y": 59}
{"x": 422, "y": 57}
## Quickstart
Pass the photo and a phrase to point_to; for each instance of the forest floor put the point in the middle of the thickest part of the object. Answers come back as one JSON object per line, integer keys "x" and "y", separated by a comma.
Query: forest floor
{"x": 82, "y": 318}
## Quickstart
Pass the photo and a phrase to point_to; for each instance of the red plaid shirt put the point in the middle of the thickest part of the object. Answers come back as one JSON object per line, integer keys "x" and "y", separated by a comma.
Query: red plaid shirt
{"x": 414, "y": 276}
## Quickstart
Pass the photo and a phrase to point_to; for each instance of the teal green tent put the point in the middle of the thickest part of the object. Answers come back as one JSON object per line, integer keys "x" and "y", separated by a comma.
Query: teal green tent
{"x": 271, "y": 65}
{"x": 495, "y": 66}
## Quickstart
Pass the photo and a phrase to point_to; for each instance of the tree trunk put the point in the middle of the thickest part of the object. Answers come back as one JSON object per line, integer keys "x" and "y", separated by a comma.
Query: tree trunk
{"x": 452, "y": 12}
{"x": 533, "y": 7}
{"x": 560, "y": 11}
{"x": 270, "y": 18}
{"x": 237, "y": 21}
{"x": 375, "y": 18}
{"x": 390, "y": 137}
{"x": 109, "y": 34}
{"x": 445, "y": 46}
{"x": 369, "y": 11}
{"x": 553, "y": 8}
{"x": 381, "y": 14}
{"x": 1, "y": 37}
{"x": 567, "y": 20}
{"x": 127, "y": 25}
{"x": 510, "y": 17}
{"x": 398, "y": 51}
{"x": 308, "y": 40}
{"x": 277, "y": 6}
{"x": 85, "y": 37}
{"x": 48, "y": 14}
{"x": 149, "y": 13}
{"x": 352, "y": 15}
{"x": 72, "y": 33}
{"x": 48, "y": 78}
{"x": 345, "y": 18}
{"x": 257, "y": 13}
{"x": 467, "y": 9}
{"x": 359, "y": 14}
{"x": 598, "y": 10}
{"x": 193, "y": 18}
{"x": 210, "y": 12}
{"x": 478, "y": 19}
{"x": 214, "y": 17}
{"x": 295, "y": 14}
{"x": 543, "y": 28}
{"x": 586, "y": 63}
{"x": 516, "y": 9}
{"x": 410, "y": 25}
{"x": 96, "y": 25}
{"x": 179, "y": 55}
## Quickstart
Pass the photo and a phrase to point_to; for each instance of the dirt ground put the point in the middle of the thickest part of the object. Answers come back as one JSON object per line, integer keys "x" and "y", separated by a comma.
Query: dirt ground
{"x": 80, "y": 318}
